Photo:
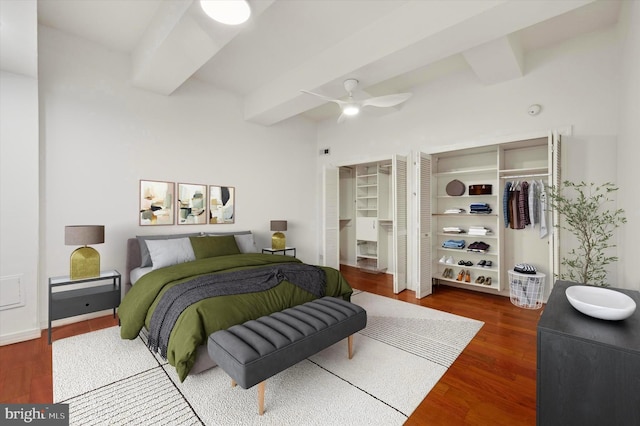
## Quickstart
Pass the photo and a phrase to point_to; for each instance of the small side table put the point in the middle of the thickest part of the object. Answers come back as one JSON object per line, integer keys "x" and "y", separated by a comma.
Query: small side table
{"x": 283, "y": 251}
{"x": 77, "y": 301}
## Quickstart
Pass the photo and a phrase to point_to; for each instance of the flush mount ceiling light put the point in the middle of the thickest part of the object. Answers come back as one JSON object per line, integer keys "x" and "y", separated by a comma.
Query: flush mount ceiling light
{"x": 230, "y": 12}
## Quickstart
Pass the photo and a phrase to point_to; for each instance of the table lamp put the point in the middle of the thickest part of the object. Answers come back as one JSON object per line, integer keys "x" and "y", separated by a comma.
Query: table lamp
{"x": 278, "y": 241}
{"x": 85, "y": 261}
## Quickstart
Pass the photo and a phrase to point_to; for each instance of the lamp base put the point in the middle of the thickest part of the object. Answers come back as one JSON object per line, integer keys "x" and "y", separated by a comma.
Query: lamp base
{"x": 85, "y": 263}
{"x": 278, "y": 241}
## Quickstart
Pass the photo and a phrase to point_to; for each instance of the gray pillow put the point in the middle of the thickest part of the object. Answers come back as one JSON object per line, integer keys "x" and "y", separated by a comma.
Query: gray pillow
{"x": 245, "y": 243}
{"x": 170, "y": 252}
{"x": 144, "y": 250}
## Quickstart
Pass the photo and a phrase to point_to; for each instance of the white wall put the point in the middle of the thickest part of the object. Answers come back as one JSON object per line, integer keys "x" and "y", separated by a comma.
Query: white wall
{"x": 19, "y": 186}
{"x": 629, "y": 148}
{"x": 576, "y": 84}
{"x": 101, "y": 136}
{"x": 19, "y": 207}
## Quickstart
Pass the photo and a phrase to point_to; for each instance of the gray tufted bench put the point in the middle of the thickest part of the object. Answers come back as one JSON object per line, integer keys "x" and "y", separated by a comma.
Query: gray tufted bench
{"x": 254, "y": 351}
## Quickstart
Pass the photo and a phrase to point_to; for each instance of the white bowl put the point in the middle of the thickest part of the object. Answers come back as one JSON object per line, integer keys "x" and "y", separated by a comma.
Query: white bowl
{"x": 600, "y": 302}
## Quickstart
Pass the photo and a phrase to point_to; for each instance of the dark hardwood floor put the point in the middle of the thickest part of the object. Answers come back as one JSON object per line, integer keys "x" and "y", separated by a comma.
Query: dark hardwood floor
{"x": 493, "y": 382}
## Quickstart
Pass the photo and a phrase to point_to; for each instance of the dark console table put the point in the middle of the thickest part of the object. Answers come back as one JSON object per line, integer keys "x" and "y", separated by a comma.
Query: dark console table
{"x": 588, "y": 369}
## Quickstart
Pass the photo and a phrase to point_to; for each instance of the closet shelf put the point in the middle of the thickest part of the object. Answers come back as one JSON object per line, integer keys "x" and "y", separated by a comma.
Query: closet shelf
{"x": 495, "y": 285}
{"x": 464, "y": 250}
{"x": 466, "y": 235}
{"x": 465, "y": 214}
{"x": 524, "y": 172}
{"x": 466, "y": 172}
{"x": 465, "y": 196}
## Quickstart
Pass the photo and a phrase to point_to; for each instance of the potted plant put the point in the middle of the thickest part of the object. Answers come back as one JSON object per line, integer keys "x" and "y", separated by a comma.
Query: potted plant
{"x": 584, "y": 212}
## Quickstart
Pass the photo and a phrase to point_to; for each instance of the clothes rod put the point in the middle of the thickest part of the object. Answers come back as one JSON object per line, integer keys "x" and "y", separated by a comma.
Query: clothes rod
{"x": 526, "y": 176}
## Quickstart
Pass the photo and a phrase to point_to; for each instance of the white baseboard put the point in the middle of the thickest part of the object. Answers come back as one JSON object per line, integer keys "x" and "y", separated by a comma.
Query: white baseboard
{"x": 21, "y": 336}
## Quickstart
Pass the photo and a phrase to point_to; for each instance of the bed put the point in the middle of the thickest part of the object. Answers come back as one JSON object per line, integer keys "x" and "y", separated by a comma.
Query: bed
{"x": 162, "y": 271}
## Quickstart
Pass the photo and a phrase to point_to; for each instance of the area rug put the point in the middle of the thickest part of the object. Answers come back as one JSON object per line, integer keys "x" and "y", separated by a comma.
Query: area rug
{"x": 398, "y": 358}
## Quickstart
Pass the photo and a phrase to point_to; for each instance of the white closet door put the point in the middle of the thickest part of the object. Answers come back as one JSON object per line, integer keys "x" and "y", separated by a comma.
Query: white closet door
{"x": 330, "y": 220}
{"x": 423, "y": 193}
{"x": 399, "y": 198}
{"x": 554, "y": 252}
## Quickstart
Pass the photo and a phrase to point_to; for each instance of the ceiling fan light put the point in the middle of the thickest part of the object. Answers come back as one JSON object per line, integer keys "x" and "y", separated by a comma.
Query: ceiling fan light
{"x": 351, "y": 110}
{"x": 230, "y": 12}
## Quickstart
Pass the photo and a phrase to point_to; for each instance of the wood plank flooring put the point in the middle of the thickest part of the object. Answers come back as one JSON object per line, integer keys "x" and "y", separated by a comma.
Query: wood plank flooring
{"x": 493, "y": 382}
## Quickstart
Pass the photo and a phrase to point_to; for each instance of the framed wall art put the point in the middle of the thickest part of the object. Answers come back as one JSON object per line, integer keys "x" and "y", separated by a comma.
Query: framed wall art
{"x": 156, "y": 203}
{"x": 222, "y": 204}
{"x": 192, "y": 204}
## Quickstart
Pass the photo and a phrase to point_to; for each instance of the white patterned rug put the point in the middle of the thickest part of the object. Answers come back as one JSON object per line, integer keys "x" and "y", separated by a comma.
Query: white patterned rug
{"x": 398, "y": 358}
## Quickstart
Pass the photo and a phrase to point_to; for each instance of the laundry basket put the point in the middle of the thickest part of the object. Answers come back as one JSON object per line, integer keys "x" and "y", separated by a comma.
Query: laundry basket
{"x": 526, "y": 290}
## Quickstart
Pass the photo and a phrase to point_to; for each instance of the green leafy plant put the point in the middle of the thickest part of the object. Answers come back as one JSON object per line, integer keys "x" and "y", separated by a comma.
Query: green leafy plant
{"x": 587, "y": 217}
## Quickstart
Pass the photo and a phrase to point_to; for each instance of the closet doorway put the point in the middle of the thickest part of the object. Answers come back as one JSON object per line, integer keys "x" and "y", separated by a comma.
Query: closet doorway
{"x": 365, "y": 217}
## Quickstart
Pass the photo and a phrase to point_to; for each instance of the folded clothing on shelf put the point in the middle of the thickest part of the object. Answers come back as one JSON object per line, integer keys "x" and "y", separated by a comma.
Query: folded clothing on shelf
{"x": 482, "y": 208}
{"x": 454, "y": 244}
{"x": 452, "y": 230}
{"x": 479, "y": 230}
{"x": 454, "y": 211}
{"x": 478, "y": 246}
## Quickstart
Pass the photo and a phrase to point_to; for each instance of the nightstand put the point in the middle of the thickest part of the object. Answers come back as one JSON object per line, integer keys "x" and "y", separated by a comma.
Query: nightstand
{"x": 65, "y": 303}
{"x": 283, "y": 251}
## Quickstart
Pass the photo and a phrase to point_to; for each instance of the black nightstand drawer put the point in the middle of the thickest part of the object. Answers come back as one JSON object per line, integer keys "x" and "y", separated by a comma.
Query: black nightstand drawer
{"x": 83, "y": 301}
{"x": 84, "y": 298}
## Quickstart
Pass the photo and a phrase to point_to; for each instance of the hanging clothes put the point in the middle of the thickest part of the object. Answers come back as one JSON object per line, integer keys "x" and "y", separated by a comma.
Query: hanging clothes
{"x": 505, "y": 203}
{"x": 514, "y": 208}
{"x": 523, "y": 201}
{"x": 532, "y": 203}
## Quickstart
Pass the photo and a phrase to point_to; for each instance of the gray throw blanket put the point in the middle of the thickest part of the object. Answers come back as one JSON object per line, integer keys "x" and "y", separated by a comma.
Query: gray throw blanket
{"x": 179, "y": 297}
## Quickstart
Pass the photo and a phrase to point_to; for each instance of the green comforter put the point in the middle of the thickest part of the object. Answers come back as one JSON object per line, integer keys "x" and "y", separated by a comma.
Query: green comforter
{"x": 201, "y": 319}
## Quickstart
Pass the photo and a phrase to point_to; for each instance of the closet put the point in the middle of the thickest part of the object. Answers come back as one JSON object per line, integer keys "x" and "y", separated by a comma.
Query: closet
{"x": 369, "y": 230}
{"x": 372, "y": 221}
{"x": 474, "y": 245}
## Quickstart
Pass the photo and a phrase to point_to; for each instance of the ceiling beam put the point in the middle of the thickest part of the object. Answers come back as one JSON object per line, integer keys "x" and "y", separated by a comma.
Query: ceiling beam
{"x": 423, "y": 33}
{"x": 496, "y": 61}
{"x": 179, "y": 40}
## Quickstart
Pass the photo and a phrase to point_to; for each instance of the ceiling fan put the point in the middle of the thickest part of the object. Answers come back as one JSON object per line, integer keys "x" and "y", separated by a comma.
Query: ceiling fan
{"x": 351, "y": 106}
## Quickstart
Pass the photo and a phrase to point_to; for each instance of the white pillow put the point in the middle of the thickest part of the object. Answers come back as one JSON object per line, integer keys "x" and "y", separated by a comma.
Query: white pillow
{"x": 245, "y": 243}
{"x": 170, "y": 252}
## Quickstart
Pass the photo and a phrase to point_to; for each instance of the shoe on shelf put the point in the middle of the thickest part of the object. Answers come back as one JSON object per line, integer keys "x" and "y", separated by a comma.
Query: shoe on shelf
{"x": 488, "y": 264}
{"x": 467, "y": 277}
{"x": 468, "y": 263}
{"x": 482, "y": 263}
{"x": 445, "y": 273}
{"x": 460, "y": 275}
{"x": 443, "y": 259}
{"x": 480, "y": 280}
{"x": 449, "y": 261}
{"x": 461, "y": 262}
{"x": 487, "y": 281}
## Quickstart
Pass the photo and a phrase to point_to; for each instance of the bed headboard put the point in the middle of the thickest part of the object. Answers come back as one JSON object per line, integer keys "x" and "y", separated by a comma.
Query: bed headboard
{"x": 134, "y": 260}
{"x": 134, "y": 257}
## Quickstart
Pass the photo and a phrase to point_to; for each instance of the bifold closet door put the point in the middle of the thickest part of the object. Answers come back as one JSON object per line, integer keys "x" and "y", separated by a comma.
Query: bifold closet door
{"x": 423, "y": 204}
{"x": 331, "y": 220}
{"x": 399, "y": 200}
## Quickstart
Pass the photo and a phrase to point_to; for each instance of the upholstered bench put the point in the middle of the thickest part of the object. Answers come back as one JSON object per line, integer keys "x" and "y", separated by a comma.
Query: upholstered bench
{"x": 254, "y": 351}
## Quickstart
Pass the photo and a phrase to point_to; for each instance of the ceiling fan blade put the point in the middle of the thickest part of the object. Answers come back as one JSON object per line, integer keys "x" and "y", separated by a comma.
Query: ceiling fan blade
{"x": 386, "y": 101}
{"x": 326, "y": 98}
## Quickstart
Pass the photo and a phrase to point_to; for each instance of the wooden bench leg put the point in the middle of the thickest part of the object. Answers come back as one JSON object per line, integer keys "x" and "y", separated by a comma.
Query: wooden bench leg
{"x": 261, "y": 397}
{"x": 350, "y": 345}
